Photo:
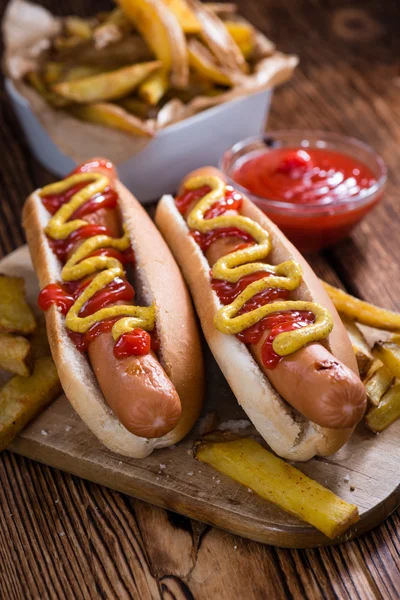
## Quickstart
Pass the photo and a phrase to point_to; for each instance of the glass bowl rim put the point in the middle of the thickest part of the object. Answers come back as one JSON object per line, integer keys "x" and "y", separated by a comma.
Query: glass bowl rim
{"x": 325, "y": 137}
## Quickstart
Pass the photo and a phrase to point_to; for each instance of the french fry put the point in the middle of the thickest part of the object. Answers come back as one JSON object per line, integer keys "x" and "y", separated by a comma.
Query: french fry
{"x": 80, "y": 72}
{"x": 137, "y": 107}
{"x": 243, "y": 34}
{"x": 39, "y": 85}
{"x": 396, "y": 338}
{"x": 202, "y": 61}
{"x": 15, "y": 354}
{"x": 113, "y": 28}
{"x": 218, "y": 39}
{"x": 106, "y": 86}
{"x": 53, "y": 72}
{"x": 22, "y": 398}
{"x": 185, "y": 16}
{"x": 39, "y": 341}
{"x": 362, "y": 312}
{"x": 15, "y": 314}
{"x": 154, "y": 87}
{"x": 387, "y": 412}
{"x": 163, "y": 33}
{"x": 378, "y": 382}
{"x": 389, "y": 354}
{"x": 248, "y": 463}
{"x": 130, "y": 50}
{"x": 360, "y": 346}
{"x": 77, "y": 28}
{"x": 111, "y": 115}
{"x": 222, "y": 8}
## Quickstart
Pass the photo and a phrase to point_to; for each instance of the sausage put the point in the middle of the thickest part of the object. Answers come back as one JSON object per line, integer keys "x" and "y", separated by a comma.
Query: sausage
{"x": 311, "y": 380}
{"x": 136, "y": 388}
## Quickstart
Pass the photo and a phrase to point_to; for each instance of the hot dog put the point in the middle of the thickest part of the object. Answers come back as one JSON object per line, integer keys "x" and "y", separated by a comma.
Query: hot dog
{"x": 272, "y": 329}
{"x": 128, "y": 357}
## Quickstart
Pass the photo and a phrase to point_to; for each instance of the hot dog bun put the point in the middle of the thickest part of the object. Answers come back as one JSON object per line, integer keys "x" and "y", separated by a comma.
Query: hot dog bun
{"x": 160, "y": 282}
{"x": 286, "y": 431}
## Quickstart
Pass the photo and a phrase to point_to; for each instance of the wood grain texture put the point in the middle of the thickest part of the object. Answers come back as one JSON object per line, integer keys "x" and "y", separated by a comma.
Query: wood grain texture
{"x": 116, "y": 547}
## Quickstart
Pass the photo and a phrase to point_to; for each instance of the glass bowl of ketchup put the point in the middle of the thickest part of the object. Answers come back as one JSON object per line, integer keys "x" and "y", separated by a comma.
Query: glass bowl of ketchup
{"x": 315, "y": 186}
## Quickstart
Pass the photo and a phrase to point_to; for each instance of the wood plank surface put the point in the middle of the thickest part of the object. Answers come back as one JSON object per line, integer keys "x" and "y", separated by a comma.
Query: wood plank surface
{"x": 62, "y": 537}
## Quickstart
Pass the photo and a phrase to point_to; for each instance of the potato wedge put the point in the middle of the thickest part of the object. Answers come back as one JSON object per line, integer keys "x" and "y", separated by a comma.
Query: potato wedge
{"x": 77, "y": 27}
{"x": 396, "y": 338}
{"x": 154, "y": 87}
{"x": 360, "y": 346}
{"x": 186, "y": 17}
{"x": 378, "y": 383}
{"x": 36, "y": 81}
{"x": 243, "y": 34}
{"x": 15, "y": 314}
{"x": 111, "y": 115}
{"x": 53, "y": 72}
{"x": 22, "y": 398}
{"x": 80, "y": 72}
{"x": 387, "y": 412}
{"x": 163, "y": 33}
{"x": 137, "y": 107}
{"x": 389, "y": 354}
{"x": 216, "y": 36}
{"x": 130, "y": 50}
{"x": 362, "y": 312}
{"x": 15, "y": 354}
{"x": 247, "y": 462}
{"x": 39, "y": 341}
{"x": 202, "y": 62}
{"x": 106, "y": 86}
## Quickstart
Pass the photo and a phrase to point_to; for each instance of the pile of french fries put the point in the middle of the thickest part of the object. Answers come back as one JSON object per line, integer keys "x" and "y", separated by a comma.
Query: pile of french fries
{"x": 25, "y": 353}
{"x": 379, "y": 366}
{"x": 119, "y": 68}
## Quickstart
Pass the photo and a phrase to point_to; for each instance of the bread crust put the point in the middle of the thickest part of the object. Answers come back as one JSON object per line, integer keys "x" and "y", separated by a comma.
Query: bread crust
{"x": 161, "y": 283}
{"x": 285, "y": 430}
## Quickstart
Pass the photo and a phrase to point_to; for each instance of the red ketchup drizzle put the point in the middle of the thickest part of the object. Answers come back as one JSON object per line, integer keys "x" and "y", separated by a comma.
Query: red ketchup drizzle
{"x": 227, "y": 292}
{"x": 55, "y": 294}
{"x": 137, "y": 342}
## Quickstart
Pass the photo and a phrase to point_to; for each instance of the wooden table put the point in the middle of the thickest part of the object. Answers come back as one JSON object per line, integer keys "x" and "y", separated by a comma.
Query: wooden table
{"x": 62, "y": 537}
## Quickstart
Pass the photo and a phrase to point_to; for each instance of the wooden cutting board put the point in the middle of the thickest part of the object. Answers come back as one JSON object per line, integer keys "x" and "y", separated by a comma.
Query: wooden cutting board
{"x": 365, "y": 471}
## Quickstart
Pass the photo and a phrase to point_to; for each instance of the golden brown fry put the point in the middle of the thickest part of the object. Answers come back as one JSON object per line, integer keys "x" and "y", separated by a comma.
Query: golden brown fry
{"x": 154, "y": 87}
{"x": 163, "y": 33}
{"x": 111, "y": 115}
{"x": 219, "y": 40}
{"x": 130, "y": 50}
{"x": 378, "y": 383}
{"x": 39, "y": 341}
{"x": 362, "y": 312}
{"x": 113, "y": 28}
{"x": 77, "y": 28}
{"x": 80, "y": 72}
{"x": 15, "y": 354}
{"x": 389, "y": 354}
{"x": 387, "y": 412}
{"x": 52, "y": 72}
{"x": 360, "y": 345}
{"x": 243, "y": 34}
{"x": 396, "y": 338}
{"x": 22, "y": 398}
{"x": 202, "y": 61}
{"x": 245, "y": 461}
{"x": 138, "y": 107}
{"x": 106, "y": 86}
{"x": 185, "y": 16}
{"x": 15, "y": 314}
{"x": 38, "y": 84}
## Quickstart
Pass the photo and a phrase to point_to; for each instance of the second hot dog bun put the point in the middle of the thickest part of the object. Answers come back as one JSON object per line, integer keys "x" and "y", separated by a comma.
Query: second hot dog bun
{"x": 160, "y": 282}
{"x": 286, "y": 431}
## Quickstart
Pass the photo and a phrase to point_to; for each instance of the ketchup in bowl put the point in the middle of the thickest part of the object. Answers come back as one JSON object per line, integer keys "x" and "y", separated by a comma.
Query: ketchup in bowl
{"x": 316, "y": 187}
